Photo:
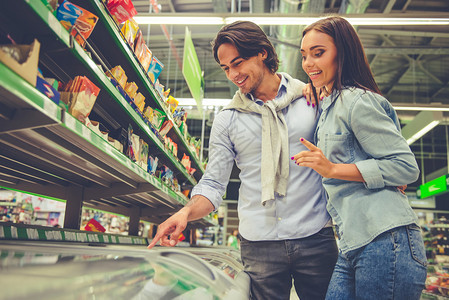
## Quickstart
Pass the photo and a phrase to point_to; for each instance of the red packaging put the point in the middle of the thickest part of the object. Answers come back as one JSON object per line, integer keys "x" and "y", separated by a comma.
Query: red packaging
{"x": 122, "y": 10}
{"x": 94, "y": 225}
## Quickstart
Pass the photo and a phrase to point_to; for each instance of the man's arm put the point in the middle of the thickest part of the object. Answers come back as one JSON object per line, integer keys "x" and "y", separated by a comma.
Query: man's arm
{"x": 169, "y": 231}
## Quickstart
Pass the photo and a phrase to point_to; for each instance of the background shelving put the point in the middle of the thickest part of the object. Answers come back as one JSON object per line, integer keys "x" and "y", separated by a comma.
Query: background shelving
{"x": 45, "y": 150}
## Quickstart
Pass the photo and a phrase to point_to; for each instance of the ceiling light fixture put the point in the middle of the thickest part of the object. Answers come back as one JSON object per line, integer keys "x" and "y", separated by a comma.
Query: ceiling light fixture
{"x": 206, "y": 102}
{"x": 421, "y": 124}
{"x": 224, "y": 102}
{"x": 188, "y": 19}
{"x": 421, "y": 108}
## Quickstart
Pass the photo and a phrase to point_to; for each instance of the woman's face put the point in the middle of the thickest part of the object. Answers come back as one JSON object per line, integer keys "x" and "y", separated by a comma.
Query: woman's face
{"x": 319, "y": 59}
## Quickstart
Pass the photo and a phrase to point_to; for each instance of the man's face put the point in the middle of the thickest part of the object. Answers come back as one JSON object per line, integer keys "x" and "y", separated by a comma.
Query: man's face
{"x": 246, "y": 74}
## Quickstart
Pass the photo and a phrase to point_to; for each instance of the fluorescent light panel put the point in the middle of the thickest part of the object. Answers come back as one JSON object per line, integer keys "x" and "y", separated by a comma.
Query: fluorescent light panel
{"x": 224, "y": 102}
{"x": 422, "y": 132}
{"x": 205, "y": 20}
{"x": 422, "y": 123}
{"x": 206, "y": 102}
{"x": 181, "y": 20}
{"x": 421, "y": 108}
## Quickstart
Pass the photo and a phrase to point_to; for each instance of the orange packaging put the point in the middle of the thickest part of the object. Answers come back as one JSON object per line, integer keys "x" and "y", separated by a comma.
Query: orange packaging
{"x": 71, "y": 15}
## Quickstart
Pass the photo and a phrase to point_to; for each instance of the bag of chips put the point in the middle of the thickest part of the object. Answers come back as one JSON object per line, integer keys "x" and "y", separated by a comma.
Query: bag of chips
{"x": 121, "y": 10}
{"x": 84, "y": 21}
{"x": 129, "y": 30}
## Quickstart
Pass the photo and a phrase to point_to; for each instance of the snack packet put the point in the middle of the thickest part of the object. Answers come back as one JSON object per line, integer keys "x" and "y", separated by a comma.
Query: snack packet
{"x": 172, "y": 104}
{"x": 121, "y": 10}
{"x": 131, "y": 89}
{"x": 152, "y": 164}
{"x": 119, "y": 75}
{"x": 143, "y": 157}
{"x": 165, "y": 128}
{"x": 130, "y": 151}
{"x": 148, "y": 113}
{"x": 70, "y": 15}
{"x": 129, "y": 30}
{"x": 80, "y": 95}
{"x": 158, "y": 118}
{"x": 155, "y": 69}
{"x": 139, "y": 100}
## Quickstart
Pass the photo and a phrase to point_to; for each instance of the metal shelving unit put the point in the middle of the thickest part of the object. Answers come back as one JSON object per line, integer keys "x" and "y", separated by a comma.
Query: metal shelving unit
{"x": 46, "y": 151}
{"x": 107, "y": 33}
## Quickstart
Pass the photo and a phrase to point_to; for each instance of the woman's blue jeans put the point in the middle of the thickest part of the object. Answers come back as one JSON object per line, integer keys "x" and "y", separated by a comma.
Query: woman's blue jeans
{"x": 272, "y": 265}
{"x": 392, "y": 266}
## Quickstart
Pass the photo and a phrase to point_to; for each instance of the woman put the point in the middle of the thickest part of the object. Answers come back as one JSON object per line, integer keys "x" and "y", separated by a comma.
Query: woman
{"x": 363, "y": 159}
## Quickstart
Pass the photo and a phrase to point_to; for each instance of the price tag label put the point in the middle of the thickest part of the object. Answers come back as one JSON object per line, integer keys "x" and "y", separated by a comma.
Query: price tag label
{"x": 86, "y": 133}
{"x": 69, "y": 121}
{"x": 108, "y": 149}
{"x": 54, "y": 23}
{"x": 14, "y": 232}
{"x": 32, "y": 234}
{"x": 51, "y": 109}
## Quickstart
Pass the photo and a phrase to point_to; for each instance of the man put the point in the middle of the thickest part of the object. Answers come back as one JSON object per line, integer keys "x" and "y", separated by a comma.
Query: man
{"x": 285, "y": 231}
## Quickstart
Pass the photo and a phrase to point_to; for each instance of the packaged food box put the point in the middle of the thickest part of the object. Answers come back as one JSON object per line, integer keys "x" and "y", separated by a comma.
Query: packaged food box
{"x": 22, "y": 59}
{"x": 47, "y": 89}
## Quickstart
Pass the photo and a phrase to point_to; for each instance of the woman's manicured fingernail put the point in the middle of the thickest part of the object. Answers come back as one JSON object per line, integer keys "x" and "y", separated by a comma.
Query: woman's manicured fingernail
{"x": 322, "y": 97}
{"x": 293, "y": 158}
{"x": 313, "y": 104}
{"x": 308, "y": 103}
{"x": 301, "y": 139}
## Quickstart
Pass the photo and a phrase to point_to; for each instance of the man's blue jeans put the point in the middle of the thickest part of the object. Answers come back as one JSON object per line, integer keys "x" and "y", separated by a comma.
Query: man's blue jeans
{"x": 271, "y": 266}
{"x": 393, "y": 266}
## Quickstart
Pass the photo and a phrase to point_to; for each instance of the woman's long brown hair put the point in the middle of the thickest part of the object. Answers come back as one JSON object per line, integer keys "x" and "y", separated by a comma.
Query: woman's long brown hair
{"x": 353, "y": 69}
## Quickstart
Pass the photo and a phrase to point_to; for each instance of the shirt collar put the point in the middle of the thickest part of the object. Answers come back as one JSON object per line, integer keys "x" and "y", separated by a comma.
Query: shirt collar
{"x": 327, "y": 101}
{"x": 282, "y": 89}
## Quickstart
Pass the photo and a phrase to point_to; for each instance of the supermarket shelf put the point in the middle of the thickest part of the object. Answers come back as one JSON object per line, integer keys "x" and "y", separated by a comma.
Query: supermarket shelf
{"x": 106, "y": 37}
{"x": 12, "y": 231}
{"x": 64, "y": 159}
{"x": 46, "y": 151}
{"x": 68, "y": 60}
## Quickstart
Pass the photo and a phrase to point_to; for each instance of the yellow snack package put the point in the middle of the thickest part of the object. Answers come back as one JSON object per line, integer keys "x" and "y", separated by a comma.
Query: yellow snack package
{"x": 172, "y": 103}
{"x": 139, "y": 100}
{"x": 131, "y": 89}
{"x": 119, "y": 75}
{"x": 148, "y": 113}
{"x": 129, "y": 30}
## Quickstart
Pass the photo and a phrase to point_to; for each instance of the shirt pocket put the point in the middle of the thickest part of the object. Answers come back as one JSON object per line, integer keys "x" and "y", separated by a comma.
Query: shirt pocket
{"x": 339, "y": 147}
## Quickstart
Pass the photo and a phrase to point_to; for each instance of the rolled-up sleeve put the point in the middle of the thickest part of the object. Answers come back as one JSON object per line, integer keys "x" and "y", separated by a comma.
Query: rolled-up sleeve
{"x": 221, "y": 160}
{"x": 389, "y": 162}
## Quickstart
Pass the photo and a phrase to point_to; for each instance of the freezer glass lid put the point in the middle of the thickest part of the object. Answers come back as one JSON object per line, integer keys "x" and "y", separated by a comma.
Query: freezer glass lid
{"x": 59, "y": 271}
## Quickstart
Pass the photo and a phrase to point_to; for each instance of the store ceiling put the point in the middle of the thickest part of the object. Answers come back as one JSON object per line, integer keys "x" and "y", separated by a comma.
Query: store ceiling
{"x": 410, "y": 63}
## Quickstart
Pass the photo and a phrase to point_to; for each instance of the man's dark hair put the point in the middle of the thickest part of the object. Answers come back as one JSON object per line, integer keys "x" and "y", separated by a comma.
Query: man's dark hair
{"x": 249, "y": 40}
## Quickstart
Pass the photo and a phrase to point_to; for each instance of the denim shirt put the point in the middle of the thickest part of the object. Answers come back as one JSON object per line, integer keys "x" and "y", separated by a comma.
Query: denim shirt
{"x": 237, "y": 136}
{"x": 362, "y": 128}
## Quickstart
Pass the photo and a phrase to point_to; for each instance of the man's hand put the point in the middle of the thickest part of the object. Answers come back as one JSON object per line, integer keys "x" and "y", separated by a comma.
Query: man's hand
{"x": 314, "y": 158}
{"x": 169, "y": 231}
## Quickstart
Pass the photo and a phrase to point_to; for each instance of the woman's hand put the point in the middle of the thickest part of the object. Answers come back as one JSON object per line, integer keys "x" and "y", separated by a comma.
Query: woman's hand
{"x": 315, "y": 159}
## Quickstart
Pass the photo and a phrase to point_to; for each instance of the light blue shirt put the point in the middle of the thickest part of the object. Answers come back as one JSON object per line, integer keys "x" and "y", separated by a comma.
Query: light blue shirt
{"x": 362, "y": 128}
{"x": 237, "y": 136}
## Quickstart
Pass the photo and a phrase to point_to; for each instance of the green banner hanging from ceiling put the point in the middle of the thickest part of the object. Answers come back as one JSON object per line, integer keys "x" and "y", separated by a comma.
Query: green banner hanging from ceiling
{"x": 191, "y": 70}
